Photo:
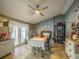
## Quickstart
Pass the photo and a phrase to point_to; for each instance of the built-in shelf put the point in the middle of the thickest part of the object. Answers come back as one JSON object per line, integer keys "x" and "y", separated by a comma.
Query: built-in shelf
{"x": 6, "y": 44}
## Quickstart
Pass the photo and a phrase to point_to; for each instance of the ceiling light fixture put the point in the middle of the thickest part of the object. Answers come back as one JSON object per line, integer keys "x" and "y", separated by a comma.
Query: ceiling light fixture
{"x": 37, "y": 12}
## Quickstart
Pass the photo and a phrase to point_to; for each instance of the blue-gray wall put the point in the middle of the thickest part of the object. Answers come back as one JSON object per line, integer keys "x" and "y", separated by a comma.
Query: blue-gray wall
{"x": 48, "y": 25}
{"x": 45, "y": 25}
{"x": 59, "y": 18}
{"x": 70, "y": 16}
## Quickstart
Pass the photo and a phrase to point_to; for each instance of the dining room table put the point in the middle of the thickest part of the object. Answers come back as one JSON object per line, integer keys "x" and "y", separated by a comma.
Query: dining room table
{"x": 38, "y": 42}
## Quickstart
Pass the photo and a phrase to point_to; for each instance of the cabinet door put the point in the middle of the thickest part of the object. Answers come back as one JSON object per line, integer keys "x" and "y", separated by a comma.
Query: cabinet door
{"x": 72, "y": 54}
{"x": 77, "y": 56}
{"x": 66, "y": 47}
{"x": 10, "y": 47}
{"x": 5, "y": 48}
{"x": 71, "y": 57}
{"x": 2, "y": 50}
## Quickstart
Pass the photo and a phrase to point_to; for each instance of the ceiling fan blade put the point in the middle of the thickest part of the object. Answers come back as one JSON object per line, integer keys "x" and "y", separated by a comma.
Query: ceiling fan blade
{"x": 37, "y": 6}
{"x": 31, "y": 7}
{"x": 41, "y": 14}
{"x": 32, "y": 13}
{"x": 44, "y": 8}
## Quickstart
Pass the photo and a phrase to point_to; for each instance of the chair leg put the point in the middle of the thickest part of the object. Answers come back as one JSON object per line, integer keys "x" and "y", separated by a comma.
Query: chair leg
{"x": 43, "y": 53}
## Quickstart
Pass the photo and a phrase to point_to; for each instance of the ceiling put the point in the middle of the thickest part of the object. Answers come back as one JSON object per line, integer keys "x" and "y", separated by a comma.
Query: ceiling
{"x": 19, "y": 9}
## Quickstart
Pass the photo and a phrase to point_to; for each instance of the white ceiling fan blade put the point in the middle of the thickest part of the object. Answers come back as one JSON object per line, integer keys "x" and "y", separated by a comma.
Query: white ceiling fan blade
{"x": 44, "y": 8}
{"x": 31, "y": 7}
{"x": 41, "y": 14}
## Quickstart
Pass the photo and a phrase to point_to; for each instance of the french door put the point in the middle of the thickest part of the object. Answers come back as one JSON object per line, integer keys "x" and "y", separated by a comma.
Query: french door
{"x": 19, "y": 35}
{"x": 23, "y": 35}
{"x": 18, "y": 32}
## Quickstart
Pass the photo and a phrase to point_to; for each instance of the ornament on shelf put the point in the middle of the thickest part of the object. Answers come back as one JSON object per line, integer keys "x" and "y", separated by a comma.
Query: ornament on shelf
{"x": 73, "y": 26}
{"x": 74, "y": 35}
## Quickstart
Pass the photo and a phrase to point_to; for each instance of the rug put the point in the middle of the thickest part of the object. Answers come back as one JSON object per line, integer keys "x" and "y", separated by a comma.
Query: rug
{"x": 38, "y": 56}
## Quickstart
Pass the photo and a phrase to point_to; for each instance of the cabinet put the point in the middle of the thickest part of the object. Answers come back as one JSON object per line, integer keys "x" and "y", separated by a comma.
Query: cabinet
{"x": 6, "y": 44}
{"x": 59, "y": 32}
{"x": 72, "y": 49}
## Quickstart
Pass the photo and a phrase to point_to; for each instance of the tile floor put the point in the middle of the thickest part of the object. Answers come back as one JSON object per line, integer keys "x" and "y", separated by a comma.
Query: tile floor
{"x": 57, "y": 52}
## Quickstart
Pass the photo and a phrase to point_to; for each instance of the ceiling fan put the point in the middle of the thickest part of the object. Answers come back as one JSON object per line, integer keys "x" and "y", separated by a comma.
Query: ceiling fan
{"x": 38, "y": 9}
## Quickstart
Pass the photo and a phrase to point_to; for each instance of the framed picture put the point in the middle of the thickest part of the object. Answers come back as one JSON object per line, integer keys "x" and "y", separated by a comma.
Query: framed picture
{"x": 5, "y": 23}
